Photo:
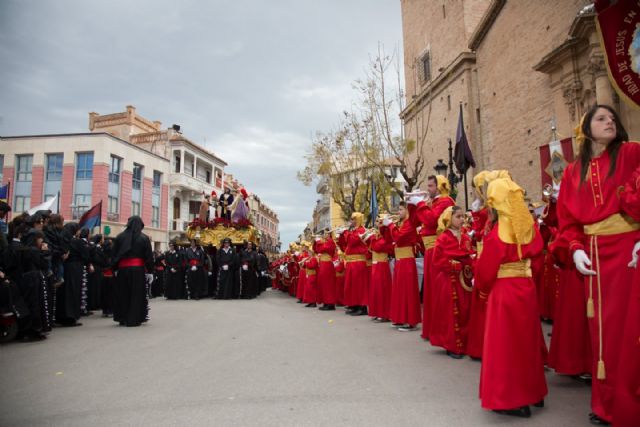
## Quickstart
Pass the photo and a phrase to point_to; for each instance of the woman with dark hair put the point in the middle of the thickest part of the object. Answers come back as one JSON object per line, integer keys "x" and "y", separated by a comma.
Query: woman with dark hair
{"x": 107, "y": 290}
{"x": 94, "y": 283}
{"x": 174, "y": 273}
{"x": 133, "y": 254}
{"x": 598, "y": 232}
{"x": 69, "y": 295}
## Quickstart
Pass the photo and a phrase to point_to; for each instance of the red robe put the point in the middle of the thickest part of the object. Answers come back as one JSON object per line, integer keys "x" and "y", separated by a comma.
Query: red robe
{"x": 356, "y": 277}
{"x": 452, "y": 303}
{"x": 429, "y": 216}
{"x": 302, "y": 276}
{"x": 326, "y": 271}
{"x": 380, "y": 285}
{"x": 626, "y": 410}
{"x": 405, "y": 296}
{"x": 570, "y": 349}
{"x": 475, "y": 338}
{"x": 311, "y": 280}
{"x": 294, "y": 269}
{"x": 340, "y": 269}
{"x": 512, "y": 373}
{"x": 589, "y": 202}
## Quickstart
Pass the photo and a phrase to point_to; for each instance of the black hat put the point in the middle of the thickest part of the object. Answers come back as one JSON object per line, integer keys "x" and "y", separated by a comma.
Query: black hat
{"x": 226, "y": 240}
{"x": 4, "y": 207}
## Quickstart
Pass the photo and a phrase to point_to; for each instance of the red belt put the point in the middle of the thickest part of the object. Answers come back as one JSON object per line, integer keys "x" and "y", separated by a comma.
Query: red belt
{"x": 193, "y": 262}
{"x": 107, "y": 272}
{"x": 159, "y": 268}
{"x": 131, "y": 262}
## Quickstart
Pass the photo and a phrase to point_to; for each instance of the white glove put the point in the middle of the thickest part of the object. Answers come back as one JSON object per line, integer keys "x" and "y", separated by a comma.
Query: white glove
{"x": 414, "y": 200}
{"x": 209, "y": 273}
{"x": 245, "y": 267}
{"x": 194, "y": 268}
{"x": 386, "y": 222}
{"x": 173, "y": 270}
{"x": 149, "y": 278}
{"x": 476, "y": 205}
{"x": 225, "y": 267}
{"x": 634, "y": 256}
{"x": 583, "y": 263}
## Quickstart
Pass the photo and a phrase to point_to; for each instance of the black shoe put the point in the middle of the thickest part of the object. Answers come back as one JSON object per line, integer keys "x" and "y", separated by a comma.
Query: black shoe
{"x": 539, "y": 404}
{"x": 522, "y": 412}
{"x": 476, "y": 359}
{"x": 313, "y": 304}
{"x": 455, "y": 355}
{"x": 359, "y": 312}
{"x": 34, "y": 337}
{"x": 596, "y": 420}
{"x": 329, "y": 307}
{"x": 299, "y": 301}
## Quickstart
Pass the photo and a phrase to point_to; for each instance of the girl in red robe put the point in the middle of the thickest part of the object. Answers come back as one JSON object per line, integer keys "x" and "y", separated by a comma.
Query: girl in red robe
{"x": 452, "y": 255}
{"x": 338, "y": 264}
{"x": 311, "y": 281}
{"x": 326, "y": 250}
{"x": 356, "y": 279}
{"x": 380, "y": 285}
{"x": 601, "y": 238}
{"x": 405, "y": 296}
{"x": 512, "y": 373}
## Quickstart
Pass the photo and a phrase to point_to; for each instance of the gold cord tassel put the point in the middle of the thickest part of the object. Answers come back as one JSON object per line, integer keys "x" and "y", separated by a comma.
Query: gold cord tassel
{"x": 590, "y": 308}
{"x": 602, "y": 374}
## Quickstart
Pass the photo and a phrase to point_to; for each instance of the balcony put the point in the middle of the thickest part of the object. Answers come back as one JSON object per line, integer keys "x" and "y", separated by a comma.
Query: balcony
{"x": 322, "y": 186}
{"x": 189, "y": 183}
{"x": 179, "y": 225}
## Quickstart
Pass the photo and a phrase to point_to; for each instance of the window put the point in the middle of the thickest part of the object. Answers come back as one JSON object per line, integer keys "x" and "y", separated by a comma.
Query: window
{"x": 135, "y": 208}
{"x": 54, "y": 167}
{"x": 114, "y": 169}
{"x": 208, "y": 177}
{"x": 425, "y": 67}
{"x": 155, "y": 217}
{"x": 82, "y": 203}
{"x": 194, "y": 210}
{"x": 113, "y": 206}
{"x": 157, "y": 180}
{"x": 22, "y": 204}
{"x": 23, "y": 166}
{"x": 84, "y": 166}
{"x": 177, "y": 163}
{"x": 137, "y": 177}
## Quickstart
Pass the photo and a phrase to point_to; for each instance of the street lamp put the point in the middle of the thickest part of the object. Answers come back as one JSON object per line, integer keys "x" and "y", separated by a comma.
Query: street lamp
{"x": 440, "y": 168}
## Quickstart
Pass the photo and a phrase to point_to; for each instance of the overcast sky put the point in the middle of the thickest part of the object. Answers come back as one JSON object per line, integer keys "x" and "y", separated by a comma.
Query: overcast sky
{"x": 253, "y": 79}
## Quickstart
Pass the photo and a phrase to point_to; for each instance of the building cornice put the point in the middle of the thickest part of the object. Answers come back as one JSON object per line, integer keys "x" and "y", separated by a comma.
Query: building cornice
{"x": 485, "y": 23}
{"x": 182, "y": 139}
{"x": 462, "y": 62}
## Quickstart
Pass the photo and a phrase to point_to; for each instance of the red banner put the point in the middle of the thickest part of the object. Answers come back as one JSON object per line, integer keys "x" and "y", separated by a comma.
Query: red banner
{"x": 619, "y": 30}
{"x": 554, "y": 157}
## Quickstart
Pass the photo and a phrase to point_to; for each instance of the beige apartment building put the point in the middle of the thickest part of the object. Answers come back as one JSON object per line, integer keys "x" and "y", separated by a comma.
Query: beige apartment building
{"x": 517, "y": 67}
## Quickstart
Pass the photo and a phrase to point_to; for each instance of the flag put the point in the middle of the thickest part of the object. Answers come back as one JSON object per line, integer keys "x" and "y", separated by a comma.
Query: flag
{"x": 49, "y": 205}
{"x": 4, "y": 193}
{"x": 554, "y": 157}
{"x": 462, "y": 156}
{"x": 373, "y": 208}
{"x": 618, "y": 24}
{"x": 92, "y": 217}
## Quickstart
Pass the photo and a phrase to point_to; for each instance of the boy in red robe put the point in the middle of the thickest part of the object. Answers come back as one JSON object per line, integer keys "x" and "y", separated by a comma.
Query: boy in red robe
{"x": 356, "y": 278}
{"x": 380, "y": 284}
{"x": 326, "y": 250}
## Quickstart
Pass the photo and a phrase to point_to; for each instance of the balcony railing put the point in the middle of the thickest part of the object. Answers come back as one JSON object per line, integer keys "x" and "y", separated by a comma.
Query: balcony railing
{"x": 179, "y": 225}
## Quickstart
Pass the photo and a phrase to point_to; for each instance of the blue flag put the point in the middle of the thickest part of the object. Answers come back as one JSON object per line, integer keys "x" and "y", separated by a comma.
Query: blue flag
{"x": 92, "y": 217}
{"x": 373, "y": 208}
{"x": 4, "y": 193}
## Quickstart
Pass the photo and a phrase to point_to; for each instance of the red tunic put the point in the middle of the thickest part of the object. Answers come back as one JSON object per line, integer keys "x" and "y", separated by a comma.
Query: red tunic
{"x": 570, "y": 349}
{"x": 326, "y": 249}
{"x": 380, "y": 285}
{"x": 428, "y": 217}
{"x": 512, "y": 373}
{"x": 340, "y": 268}
{"x": 294, "y": 269}
{"x": 357, "y": 275}
{"x": 475, "y": 338}
{"x": 311, "y": 280}
{"x": 301, "y": 285}
{"x": 452, "y": 303}
{"x": 589, "y": 202}
{"x": 405, "y": 296}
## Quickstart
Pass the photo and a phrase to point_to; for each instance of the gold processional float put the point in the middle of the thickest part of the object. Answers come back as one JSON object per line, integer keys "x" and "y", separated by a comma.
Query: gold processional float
{"x": 213, "y": 234}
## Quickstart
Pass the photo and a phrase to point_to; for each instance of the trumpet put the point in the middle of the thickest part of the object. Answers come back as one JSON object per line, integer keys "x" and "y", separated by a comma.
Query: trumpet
{"x": 547, "y": 190}
{"x": 368, "y": 233}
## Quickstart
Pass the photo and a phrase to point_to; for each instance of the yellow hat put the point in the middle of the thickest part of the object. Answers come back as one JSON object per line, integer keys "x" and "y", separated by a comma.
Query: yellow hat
{"x": 358, "y": 218}
{"x": 485, "y": 177}
{"x": 444, "y": 188}
{"x": 515, "y": 223}
{"x": 445, "y": 219}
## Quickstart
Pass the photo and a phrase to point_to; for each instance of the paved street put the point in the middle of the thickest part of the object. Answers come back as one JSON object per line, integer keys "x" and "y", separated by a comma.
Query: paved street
{"x": 266, "y": 362}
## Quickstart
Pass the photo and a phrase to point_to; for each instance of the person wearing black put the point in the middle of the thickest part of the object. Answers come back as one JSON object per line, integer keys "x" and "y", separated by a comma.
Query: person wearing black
{"x": 87, "y": 269}
{"x": 227, "y": 264}
{"x": 35, "y": 262}
{"x": 59, "y": 251}
{"x": 157, "y": 286}
{"x": 96, "y": 276}
{"x": 69, "y": 294}
{"x": 107, "y": 290}
{"x": 196, "y": 275}
{"x": 133, "y": 254}
{"x": 174, "y": 273}
{"x": 263, "y": 271}
{"x": 248, "y": 276}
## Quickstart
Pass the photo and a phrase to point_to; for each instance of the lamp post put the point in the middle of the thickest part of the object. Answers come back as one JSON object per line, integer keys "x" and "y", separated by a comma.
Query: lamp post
{"x": 440, "y": 168}
{"x": 453, "y": 178}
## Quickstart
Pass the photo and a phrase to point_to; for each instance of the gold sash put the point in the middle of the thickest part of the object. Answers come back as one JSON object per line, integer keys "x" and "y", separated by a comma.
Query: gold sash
{"x": 404, "y": 252}
{"x": 429, "y": 241}
{"x": 310, "y": 272}
{"x": 325, "y": 258}
{"x": 520, "y": 268}
{"x": 380, "y": 257}
{"x": 341, "y": 274}
{"x": 614, "y": 224}
{"x": 354, "y": 258}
